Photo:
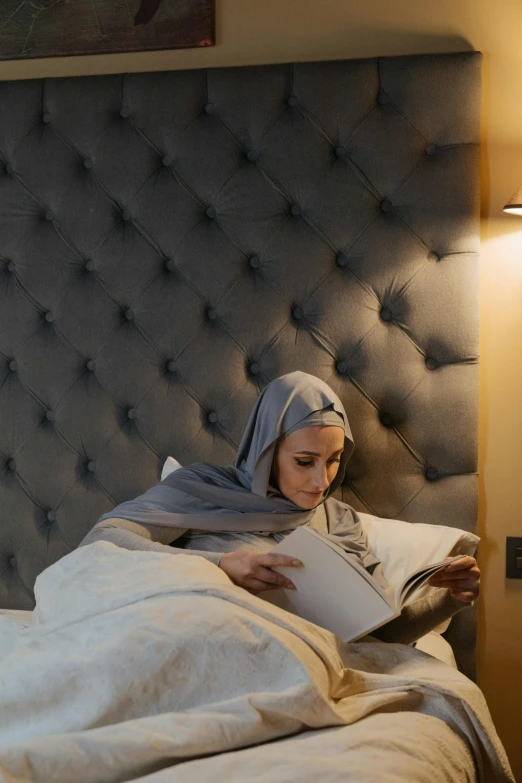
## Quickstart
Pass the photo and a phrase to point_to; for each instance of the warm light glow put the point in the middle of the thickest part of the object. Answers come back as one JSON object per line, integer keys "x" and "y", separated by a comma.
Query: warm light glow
{"x": 514, "y": 204}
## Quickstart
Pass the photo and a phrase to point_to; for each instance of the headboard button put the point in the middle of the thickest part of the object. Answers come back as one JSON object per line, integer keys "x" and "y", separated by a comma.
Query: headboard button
{"x": 254, "y": 261}
{"x": 433, "y": 256}
{"x": 91, "y": 466}
{"x": 341, "y": 366}
{"x": 51, "y": 516}
{"x": 89, "y": 265}
{"x": 167, "y": 161}
{"x": 432, "y": 474}
{"x": 212, "y": 417}
{"x": 252, "y": 155}
{"x": 132, "y": 413}
{"x": 12, "y": 562}
{"x": 431, "y": 364}
{"x": 13, "y": 365}
{"x": 295, "y": 209}
{"x": 212, "y": 313}
{"x": 87, "y": 163}
{"x": 386, "y": 314}
{"x": 91, "y": 365}
{"x": 49, "y": 317}
{"x": 292, "y": 100}
{"x": 125, "y": 111}
{"x": 11, "y": 465}
{"x": 49, "y": 215}
{"x": 298, "y": 313}
{"x": 46, "y": 117}
{"x": 341, "y": 152}
{"x": 386, "y": 205}
{"x": 431, "y": 149}
{"x": 171, "y": 366}
{"x": 383, "y": 98}
{"x": 49, "y": 415}
{"x": 342, "y": 259}
{"x": 254, "y": 368}
{"x": 386, "y": 419}
{"x": 11, "y": 266}
{"x": 129, "y": 314}
{"x": 210, "y": 108}
{"x": 210, "y": 212}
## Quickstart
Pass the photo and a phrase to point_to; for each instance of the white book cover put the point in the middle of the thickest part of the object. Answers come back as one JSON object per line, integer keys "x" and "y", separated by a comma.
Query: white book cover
{"x": 335, "y": 591}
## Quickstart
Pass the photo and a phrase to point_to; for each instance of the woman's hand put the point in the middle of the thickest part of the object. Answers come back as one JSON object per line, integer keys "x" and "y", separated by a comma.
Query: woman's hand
{"x": 462, "y": 578}
{"x": 253, "y": 572}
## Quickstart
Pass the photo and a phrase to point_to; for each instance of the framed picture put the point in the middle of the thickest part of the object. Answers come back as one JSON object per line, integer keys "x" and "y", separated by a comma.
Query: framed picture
{"x": 59, "y": 28}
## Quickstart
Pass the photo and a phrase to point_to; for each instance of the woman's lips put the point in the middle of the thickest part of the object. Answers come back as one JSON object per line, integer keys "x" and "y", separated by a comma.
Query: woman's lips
{"x": 313, "y": 494}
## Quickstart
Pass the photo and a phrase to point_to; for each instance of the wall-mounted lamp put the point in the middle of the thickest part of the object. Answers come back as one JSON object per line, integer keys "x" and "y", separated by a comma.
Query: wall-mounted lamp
{"x": 514, "y": 205}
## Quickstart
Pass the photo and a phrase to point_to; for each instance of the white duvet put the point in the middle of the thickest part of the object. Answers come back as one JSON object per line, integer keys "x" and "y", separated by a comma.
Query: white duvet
{"x": 140, "y": 665}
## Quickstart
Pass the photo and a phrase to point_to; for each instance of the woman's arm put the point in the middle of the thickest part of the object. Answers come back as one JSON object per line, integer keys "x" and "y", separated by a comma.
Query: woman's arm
{"x": 246, "y": 569}
{"x": 150, "y": 538}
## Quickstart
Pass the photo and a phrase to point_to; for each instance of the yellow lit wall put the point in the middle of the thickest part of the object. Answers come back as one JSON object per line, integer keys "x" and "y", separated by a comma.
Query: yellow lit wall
{"x": 263, "y": 31}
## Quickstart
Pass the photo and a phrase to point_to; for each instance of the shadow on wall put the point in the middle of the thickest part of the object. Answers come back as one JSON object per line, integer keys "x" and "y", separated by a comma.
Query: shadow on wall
{"x": 239, "y": 42}
{"x": 385, "y": 42}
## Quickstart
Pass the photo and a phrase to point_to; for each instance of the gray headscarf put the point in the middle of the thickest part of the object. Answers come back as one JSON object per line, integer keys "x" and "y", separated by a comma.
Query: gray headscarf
{"x": 238, "y": 497}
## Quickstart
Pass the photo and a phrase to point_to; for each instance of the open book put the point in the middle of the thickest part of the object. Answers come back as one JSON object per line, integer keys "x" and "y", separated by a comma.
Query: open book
{"x": 335, "y": 591}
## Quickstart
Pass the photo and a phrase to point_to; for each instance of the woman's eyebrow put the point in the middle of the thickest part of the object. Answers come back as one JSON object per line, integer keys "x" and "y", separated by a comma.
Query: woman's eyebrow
{"x": 315, "y": 454}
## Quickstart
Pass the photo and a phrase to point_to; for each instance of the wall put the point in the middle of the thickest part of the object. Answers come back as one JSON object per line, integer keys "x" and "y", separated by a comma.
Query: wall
{"x": 250, "y": 31}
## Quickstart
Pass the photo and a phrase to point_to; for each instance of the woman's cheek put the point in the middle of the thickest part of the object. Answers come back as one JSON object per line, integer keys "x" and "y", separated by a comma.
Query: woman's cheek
{"x": 291, "y": 482}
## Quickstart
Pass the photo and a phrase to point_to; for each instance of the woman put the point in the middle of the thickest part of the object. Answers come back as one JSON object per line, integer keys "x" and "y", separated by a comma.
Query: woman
{"x": 291, "y": 459}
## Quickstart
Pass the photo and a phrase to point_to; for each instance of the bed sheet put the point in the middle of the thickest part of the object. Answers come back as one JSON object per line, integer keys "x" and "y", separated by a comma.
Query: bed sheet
{"x": 376, "y": 748}
{"x": 432, "y": 643}
{"x": 139, "y": 664}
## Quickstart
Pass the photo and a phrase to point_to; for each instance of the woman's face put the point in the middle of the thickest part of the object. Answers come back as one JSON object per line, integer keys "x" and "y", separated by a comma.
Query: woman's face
{"x": 306, "y": 461}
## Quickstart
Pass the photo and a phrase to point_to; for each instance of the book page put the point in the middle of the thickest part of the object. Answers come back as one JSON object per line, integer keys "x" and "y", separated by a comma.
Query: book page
{"x": 354, "y": 562}
{"x": 330, "y": 592}
{"x": 418, "y": 579}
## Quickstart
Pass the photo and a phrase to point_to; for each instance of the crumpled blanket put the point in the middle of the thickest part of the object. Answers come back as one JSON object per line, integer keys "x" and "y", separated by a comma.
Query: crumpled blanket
{"x": 141, "y": 664}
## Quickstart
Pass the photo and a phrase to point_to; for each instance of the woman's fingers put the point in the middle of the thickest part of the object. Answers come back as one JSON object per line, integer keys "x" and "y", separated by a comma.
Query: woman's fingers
{"x": 444, "y": 576}
{"x": 463, "y": 563}
{"x": 272, "y": 578}
{"x": 278, "y": 560}
{"x": 461, "y": 578}
{"x": 256, "y": 585}
{"x": 253, "y": 572}
{"x": 253, "y": 583}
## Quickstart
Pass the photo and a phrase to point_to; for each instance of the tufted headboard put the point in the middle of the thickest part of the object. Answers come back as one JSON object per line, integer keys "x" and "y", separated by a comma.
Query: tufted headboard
{"x": 170, "y": 242}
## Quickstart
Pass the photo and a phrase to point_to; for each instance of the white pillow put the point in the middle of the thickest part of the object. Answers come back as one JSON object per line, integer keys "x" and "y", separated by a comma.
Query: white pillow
{"x": 170, "y": 465}
{"x": 402, "y": 547}
{"x": 436, "y": 645}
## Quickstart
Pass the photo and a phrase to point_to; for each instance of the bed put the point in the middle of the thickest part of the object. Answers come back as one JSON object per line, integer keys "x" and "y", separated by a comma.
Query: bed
{"x": 170, "y": 242}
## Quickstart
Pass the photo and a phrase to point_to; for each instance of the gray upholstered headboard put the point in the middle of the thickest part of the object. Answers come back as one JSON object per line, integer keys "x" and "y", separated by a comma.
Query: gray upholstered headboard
{"x": 170, "y": 242}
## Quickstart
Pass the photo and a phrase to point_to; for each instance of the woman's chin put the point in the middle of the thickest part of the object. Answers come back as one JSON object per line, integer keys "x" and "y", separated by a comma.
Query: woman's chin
{"x": 307, "y": 502}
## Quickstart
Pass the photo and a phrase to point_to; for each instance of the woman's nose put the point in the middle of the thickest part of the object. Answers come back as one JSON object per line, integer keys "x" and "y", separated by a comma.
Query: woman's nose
{"x": 320, "y": 478}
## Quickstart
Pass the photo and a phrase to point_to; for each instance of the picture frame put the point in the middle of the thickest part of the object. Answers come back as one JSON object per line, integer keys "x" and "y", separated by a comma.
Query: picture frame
{"x": 62, "y": 28}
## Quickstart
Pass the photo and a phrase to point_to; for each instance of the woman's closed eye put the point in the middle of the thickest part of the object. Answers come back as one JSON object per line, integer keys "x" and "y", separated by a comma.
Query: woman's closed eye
{"x": 305, "y": 464}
